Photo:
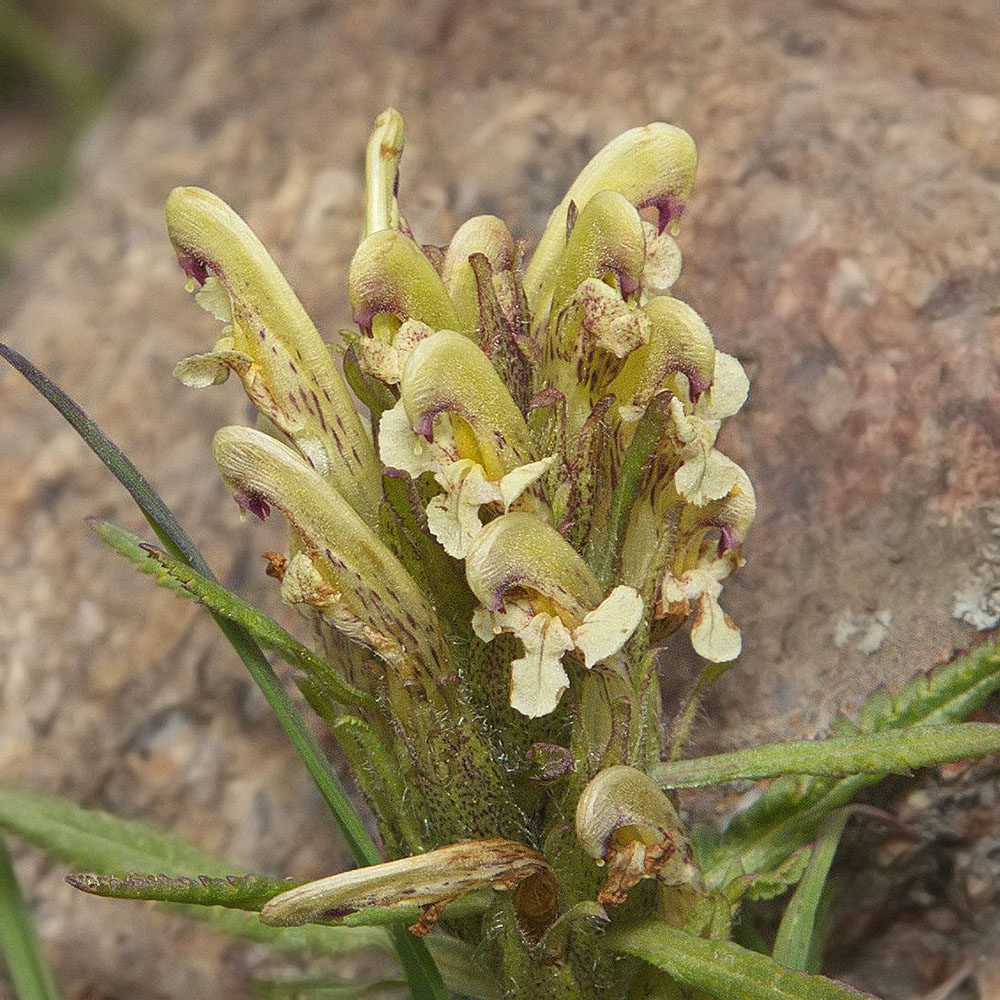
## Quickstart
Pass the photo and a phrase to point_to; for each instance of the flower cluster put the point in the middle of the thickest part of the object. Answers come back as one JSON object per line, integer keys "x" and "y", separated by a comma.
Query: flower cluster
{"x": 535, "y": 502}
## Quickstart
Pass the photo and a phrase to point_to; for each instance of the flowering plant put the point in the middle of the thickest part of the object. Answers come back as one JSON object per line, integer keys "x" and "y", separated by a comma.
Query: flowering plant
{"x": 489, "y": 554}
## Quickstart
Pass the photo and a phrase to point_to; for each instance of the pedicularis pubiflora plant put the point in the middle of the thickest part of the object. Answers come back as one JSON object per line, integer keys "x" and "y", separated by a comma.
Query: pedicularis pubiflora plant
{"x": 488, "y": 553}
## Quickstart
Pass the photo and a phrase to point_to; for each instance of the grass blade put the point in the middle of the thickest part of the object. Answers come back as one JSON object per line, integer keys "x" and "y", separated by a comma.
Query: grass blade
{"x": 19, "y": 944}
{"x": 175, "y": 575}
{"x": 794, "y": 944}
{"x": 421, "y": 974}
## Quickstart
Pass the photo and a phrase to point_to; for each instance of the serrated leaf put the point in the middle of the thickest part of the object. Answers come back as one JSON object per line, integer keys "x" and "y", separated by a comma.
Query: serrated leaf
{"x": 720, "y": 968}
{"x": 174, "y": 575}
{"x": 894, "y": 752}
{"x": 787, "y": 815}
{"x": 235, "y": 892}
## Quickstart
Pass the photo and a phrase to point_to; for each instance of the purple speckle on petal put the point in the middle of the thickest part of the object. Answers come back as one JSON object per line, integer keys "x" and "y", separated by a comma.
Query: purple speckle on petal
{"x": 252, "y": 503}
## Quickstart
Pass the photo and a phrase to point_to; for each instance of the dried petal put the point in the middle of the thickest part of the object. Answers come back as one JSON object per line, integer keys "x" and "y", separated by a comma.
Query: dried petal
{"x": 624, "y": 821}
{"x": 423, "y": 880}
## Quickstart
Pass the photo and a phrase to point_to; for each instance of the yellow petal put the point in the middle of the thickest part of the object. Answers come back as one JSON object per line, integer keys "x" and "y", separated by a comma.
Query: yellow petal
{"x": 608, "y": 627}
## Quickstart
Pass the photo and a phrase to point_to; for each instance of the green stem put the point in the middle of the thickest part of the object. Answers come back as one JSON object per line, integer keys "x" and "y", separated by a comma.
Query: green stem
{"x": 631, "y": 475}
{"x": 422, "y": 975}
{"x": 19, "y": 943}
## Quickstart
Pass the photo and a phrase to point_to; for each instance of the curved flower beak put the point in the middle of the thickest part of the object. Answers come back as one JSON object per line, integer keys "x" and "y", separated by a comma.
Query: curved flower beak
{"x": 271, "y": 344}
{"x": 342, "y": 568}
{"x": 489, "y": 237}
{"x": 390, "y": 281}
{"x": 607, "y": 241}
{"x": 652, "y": 166}
{"x": 532, "y": 583}
{"x": 385, "y": 150}
{"x": 428, "y": 880}
{"x": 679, "y": 343}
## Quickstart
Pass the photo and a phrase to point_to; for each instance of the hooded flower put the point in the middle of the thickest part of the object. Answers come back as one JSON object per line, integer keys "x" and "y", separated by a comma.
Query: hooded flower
{"x": 456, "y": 419}
{"x": 531, "y": 583}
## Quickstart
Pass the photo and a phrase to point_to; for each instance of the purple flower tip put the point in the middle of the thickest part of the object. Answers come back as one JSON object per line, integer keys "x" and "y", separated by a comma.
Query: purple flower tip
{"x": 668, "y": 207}
{"x": 697, "y": 384}
{"x": 253, "y": 503}
{"x": 629, "y": 285}
{"x": 193, "y": 267}
{"x": 728, "y": 539}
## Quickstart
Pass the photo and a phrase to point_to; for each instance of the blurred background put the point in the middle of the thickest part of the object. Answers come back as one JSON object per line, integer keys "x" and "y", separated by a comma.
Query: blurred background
{"x": 842, "y": 241}
{"x": 58, "y": 61}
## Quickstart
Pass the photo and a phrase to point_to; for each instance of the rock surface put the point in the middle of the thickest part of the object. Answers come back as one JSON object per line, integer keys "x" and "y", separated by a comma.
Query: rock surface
{"x": 842, "y": 241}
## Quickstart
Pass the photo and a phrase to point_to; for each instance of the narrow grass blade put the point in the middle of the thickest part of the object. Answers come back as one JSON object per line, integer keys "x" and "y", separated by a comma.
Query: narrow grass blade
{"x": 633, "y": 471}
{"x": 424, "y": 980}
{"x": 794, "y": 944}
{"x": 893, "y": 752}
{"x": 22, "y": 951}
{"x": 100, "y": 842}
{"x": 720, "y": 968}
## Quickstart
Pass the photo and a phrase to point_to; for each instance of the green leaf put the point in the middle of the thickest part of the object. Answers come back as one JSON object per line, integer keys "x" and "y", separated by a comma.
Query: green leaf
{"x": 424, "y": 980}
{"x": 787, "y": 815}
{"x": 720, "y": 968}
{"x": 893, "y": 752}
{"x": 633, "y": 472}
{"x": 794, "y": 944}
{"x": 174, "y": 575}
{"x": 100, "y": 842}
{"x": 29, "y": 972}
{"x": 235, "y": 892}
